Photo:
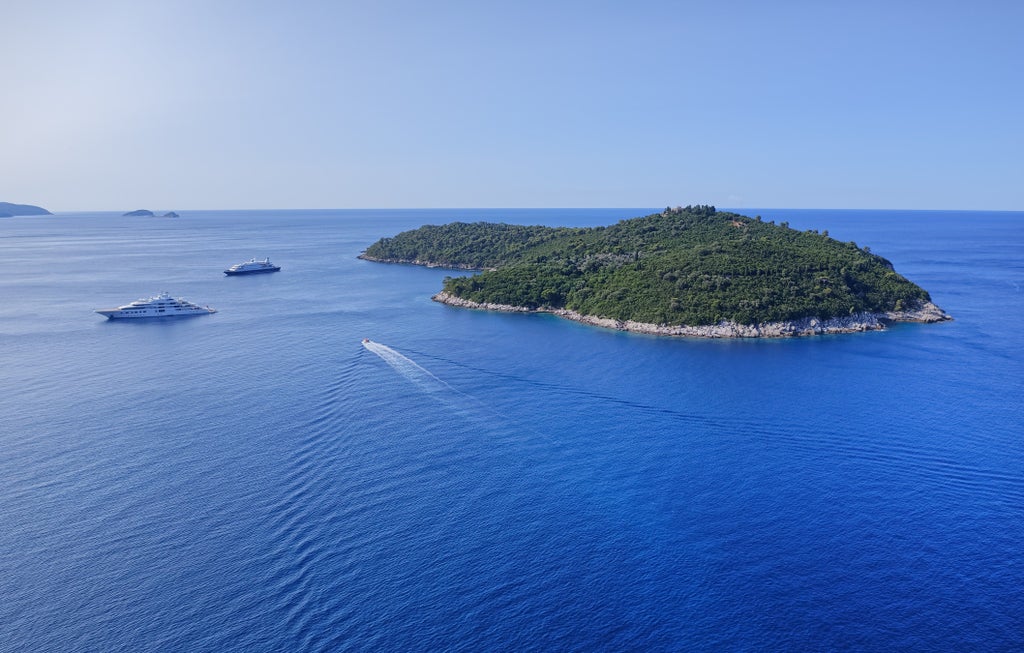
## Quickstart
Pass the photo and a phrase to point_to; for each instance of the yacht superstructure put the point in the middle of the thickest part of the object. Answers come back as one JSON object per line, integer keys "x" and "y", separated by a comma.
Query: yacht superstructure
{"x": 252, "y": 266}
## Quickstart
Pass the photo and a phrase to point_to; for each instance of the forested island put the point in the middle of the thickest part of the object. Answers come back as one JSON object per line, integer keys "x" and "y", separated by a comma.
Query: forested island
{"x": 685, "y": 271}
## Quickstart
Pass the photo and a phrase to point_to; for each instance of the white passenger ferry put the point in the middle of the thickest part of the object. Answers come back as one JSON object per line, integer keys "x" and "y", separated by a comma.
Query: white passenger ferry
{"x": 162, "y": 305}
{"x": 252, "y": 266}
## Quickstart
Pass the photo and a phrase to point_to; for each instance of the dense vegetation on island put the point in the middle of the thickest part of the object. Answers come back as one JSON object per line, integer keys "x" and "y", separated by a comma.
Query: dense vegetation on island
{"x": 22, "y": 209}
{"x": 691, "y": 266}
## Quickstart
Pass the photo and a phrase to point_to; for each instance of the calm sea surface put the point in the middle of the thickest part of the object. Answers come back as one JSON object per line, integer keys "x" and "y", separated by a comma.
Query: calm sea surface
{"x": 258, "y": 480}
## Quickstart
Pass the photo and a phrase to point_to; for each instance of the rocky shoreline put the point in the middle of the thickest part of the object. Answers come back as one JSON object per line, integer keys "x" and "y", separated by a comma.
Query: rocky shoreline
{"x": 925, "y": 312}
{"x": 426, "y": 264}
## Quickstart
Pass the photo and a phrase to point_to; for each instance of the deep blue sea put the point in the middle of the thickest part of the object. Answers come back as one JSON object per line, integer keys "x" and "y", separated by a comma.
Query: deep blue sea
{"x": 258, "y": 480}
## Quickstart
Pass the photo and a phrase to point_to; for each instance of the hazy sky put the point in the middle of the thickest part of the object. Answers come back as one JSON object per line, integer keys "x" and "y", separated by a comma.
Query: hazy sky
{"x": 182, "y": 104}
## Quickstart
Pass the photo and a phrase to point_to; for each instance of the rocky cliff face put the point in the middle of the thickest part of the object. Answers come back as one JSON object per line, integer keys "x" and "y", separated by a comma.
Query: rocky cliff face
{"x": 925, "y": 312}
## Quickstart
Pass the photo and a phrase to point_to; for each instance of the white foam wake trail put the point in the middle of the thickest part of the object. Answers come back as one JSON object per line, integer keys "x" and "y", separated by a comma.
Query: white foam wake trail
{"x": 456, "y": 401}
{"x": 408, "y": 368}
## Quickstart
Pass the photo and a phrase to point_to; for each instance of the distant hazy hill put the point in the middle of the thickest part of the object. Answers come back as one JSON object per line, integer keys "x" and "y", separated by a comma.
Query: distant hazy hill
{"x": 22, "y": 209}
{"x": 146, "y": 213}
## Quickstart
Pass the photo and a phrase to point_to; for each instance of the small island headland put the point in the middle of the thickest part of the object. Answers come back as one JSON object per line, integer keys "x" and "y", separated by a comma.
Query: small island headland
{"x": 691, "y": 271}
{"x": 8, "y": 210}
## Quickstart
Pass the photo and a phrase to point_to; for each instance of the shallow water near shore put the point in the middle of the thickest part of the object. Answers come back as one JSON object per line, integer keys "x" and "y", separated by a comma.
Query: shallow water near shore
{"x": 260, "y": 479}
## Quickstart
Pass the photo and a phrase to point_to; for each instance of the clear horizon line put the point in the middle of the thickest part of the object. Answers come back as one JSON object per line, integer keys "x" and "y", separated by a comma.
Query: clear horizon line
{"x": 534, "y": 208}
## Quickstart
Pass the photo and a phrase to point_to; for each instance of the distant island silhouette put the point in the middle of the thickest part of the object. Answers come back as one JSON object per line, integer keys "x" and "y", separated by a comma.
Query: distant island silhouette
{"x": 146, "y": 213}
{"x": 8, "y": 210}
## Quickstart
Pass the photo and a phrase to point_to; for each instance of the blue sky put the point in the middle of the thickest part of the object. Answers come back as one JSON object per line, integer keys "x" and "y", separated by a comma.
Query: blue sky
{"x": 192, "y": 104}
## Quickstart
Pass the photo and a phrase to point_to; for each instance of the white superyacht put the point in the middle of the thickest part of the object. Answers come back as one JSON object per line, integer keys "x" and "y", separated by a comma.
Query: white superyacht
{"x": 162, "y": 305}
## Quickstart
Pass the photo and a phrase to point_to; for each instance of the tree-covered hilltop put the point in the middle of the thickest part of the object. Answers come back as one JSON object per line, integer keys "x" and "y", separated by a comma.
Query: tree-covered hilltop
{"x": 478, "y": 246}
{"x": 684, "y": 266}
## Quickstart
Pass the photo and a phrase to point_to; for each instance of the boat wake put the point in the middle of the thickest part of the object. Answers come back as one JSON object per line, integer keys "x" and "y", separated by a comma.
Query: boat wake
{"x": 456, "y": 401}
{"x": 408, "y": 368}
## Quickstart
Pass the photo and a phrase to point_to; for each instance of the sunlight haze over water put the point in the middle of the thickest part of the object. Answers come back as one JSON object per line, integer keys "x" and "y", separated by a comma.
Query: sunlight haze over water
{"x": 116, "y": 105}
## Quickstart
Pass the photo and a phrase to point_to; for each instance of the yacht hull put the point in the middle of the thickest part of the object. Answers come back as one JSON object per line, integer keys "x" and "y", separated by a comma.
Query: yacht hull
{"x": 235, "y": 273}
{"x": 118, "y": 315}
